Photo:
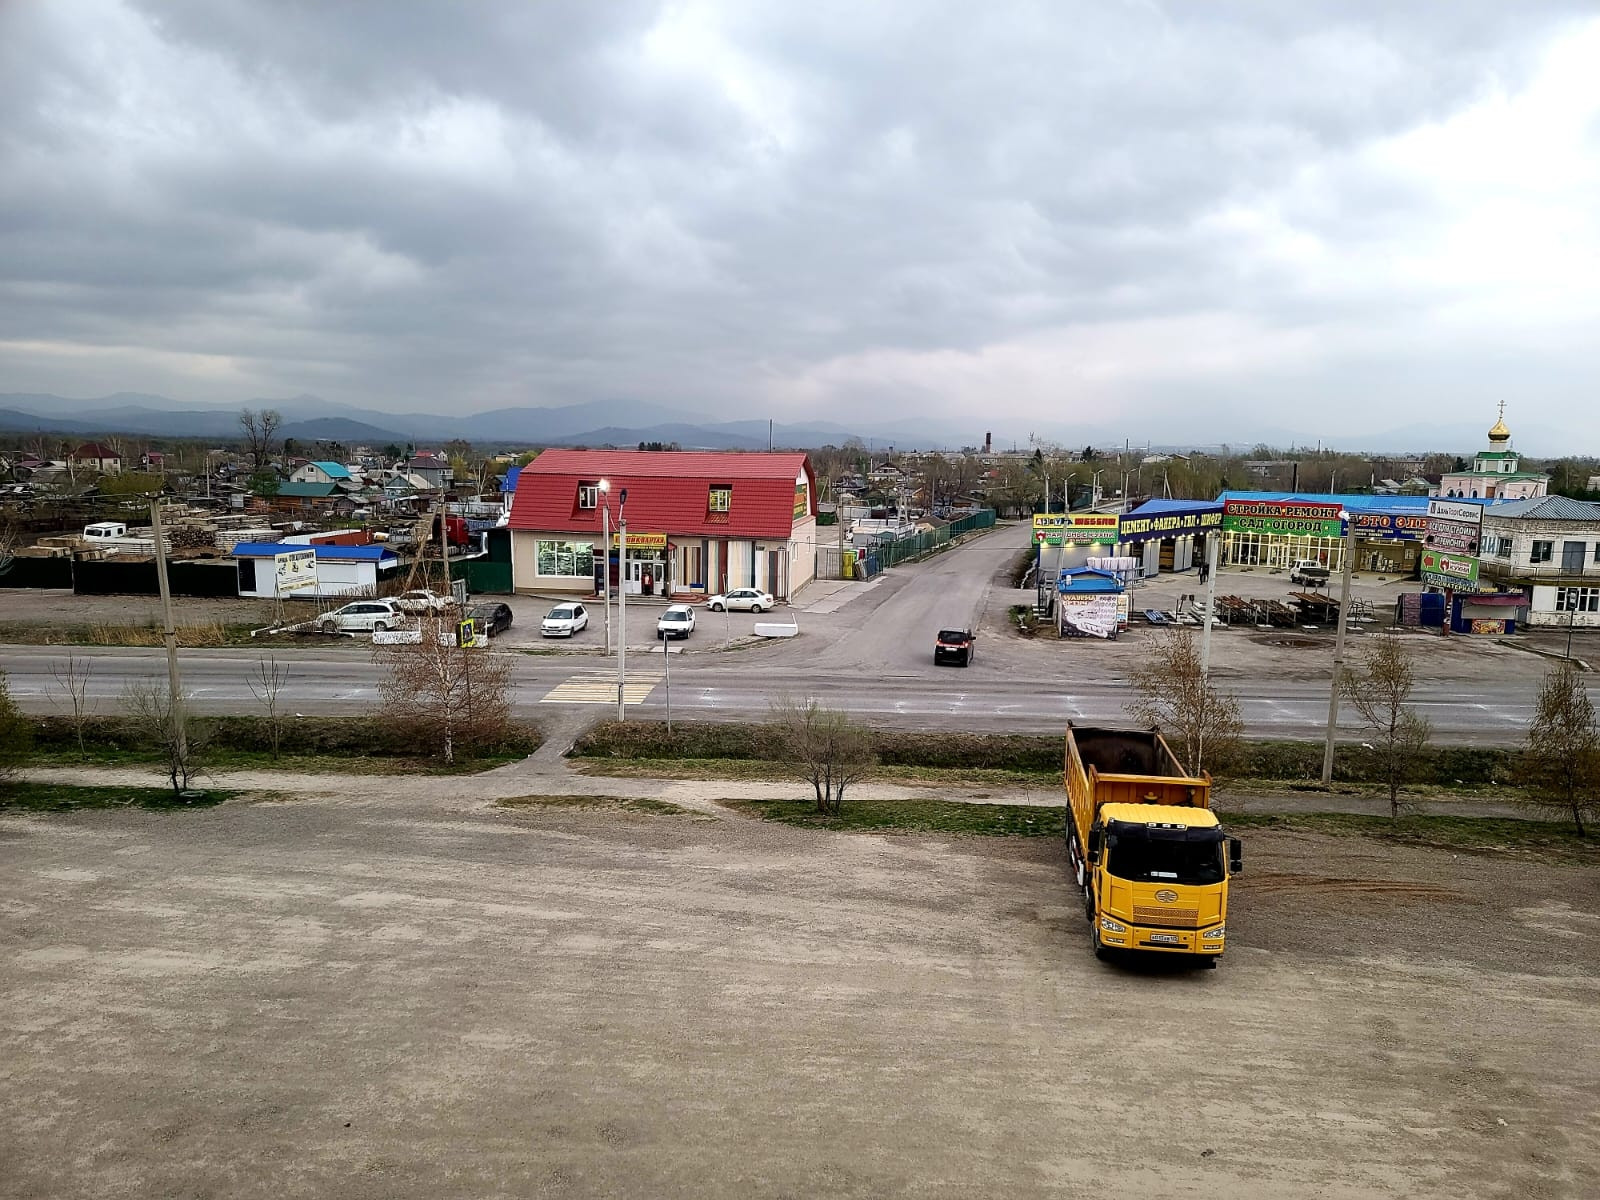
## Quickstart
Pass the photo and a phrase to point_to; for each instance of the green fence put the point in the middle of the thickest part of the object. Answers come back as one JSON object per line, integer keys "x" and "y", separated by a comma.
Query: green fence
{"x": 910, "y": 549}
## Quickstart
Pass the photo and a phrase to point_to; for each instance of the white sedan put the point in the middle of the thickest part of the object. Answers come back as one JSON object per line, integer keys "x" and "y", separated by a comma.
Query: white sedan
{"x": 741, "y": 600}
{"x": 421, "y": 600}
{"x": 564, "y": 620}
{"x": 676, "y": 622}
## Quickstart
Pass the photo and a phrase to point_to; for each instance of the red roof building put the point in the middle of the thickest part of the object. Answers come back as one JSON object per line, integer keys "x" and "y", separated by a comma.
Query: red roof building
{"x": 99, "y": 458}
{"x": 697, "y": 522}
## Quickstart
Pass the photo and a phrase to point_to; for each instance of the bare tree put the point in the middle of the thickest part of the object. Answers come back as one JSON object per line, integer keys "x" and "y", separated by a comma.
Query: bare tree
{"x": 8, "y": 547}
{"x": 16, "y": 735}
{"x": 821, "y": 746}
{"x": 447, "y": 696}
{"x": 1176, "y": 695}
{"x": 260, "y": 429}
{"x": 73, "y": 675}
{"x": 1379, "y": 687}
{"x": 266, "y": 680}
{"x": 1561, "y": 766}
{"x": 148, "y": 709}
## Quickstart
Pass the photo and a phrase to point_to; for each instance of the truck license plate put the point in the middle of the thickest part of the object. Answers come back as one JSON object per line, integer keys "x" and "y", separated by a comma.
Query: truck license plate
{"x": 1170, "y": 939}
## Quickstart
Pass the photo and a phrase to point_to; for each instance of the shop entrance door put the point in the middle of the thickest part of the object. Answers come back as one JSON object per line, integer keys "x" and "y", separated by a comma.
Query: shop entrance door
{"x": 638, "y": 568}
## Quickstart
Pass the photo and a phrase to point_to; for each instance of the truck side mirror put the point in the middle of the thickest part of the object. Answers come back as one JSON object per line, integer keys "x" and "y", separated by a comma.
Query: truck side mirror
{"x": 1235, "y": 857}
{"x": 1094, "y": 845}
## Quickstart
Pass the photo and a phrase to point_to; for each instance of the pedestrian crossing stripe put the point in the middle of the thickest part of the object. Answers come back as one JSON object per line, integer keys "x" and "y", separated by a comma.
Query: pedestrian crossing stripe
{"x": 600, "y": 688}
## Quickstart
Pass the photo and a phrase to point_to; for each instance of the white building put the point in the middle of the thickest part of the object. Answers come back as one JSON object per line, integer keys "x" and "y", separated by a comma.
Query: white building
{"x": 1550, "y": 546}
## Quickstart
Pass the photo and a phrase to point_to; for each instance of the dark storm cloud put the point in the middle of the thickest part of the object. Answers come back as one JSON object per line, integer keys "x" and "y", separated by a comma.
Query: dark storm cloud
{"x": 794, "y": 208}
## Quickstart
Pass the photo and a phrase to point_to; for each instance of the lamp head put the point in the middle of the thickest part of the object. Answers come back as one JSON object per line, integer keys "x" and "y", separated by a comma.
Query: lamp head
{"x": 605, "y": 485}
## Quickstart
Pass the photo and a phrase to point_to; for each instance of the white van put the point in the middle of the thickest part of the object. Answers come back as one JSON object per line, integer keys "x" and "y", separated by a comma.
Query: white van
{"x": 104, "y": 531}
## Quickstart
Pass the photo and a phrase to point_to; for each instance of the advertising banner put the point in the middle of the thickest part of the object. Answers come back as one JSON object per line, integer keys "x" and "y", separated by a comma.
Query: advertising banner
{"x": 1089, "y": 616}
{"x": 1407, "y": 526}
{"x": 1456, "y": 510}
{"x": 1451, "y": 536}
{"x": 1452, "y": 566}
{"x": 1299, "y": 517}
{"x": 1135, "y": 528}
{"x": 641, "y": 541}
{"x": 296, "y": 570}
{"x": 1053, "y": 529}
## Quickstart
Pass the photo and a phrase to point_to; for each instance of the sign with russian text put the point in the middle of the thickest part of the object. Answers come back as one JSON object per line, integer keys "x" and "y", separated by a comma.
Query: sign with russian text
{"x": 641, "y": 541}
{"x": 1054, "y": 529}
{"x": 1411, "y": 526}
{"x": 1456, "y": 510}
{"x": 1301, "y": 518}
{"x": 1135, "y": 528}
{"x": 1089, "y": 616}
{"x": 296, "y": 570}
{"x": 1457, "y": 568}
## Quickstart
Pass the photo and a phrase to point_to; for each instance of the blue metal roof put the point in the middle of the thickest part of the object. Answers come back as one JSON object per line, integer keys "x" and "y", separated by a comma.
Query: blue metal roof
{"x": 1084, "y": 580}
{"x": 333, "y": 470}
{"x": 1162, "y": 508}
{"x": 509, "y": 483}
{"x": 331, "y": 553}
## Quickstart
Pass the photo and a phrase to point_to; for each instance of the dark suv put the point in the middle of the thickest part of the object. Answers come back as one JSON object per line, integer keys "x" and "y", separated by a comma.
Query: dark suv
{"x": 954, "y": 645}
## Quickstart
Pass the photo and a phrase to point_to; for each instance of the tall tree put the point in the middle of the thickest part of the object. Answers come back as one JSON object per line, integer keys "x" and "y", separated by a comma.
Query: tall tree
{"x": 1175, "y": 695}
{"x": 260, "y": 431}
{"x": 448, "y": 697}
{"x": 1561, "y": 765}
{"x": 1379, "y": 687}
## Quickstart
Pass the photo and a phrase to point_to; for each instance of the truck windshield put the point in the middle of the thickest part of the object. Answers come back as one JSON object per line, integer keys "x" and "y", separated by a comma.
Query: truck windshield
{"x": 1144, "y": 855}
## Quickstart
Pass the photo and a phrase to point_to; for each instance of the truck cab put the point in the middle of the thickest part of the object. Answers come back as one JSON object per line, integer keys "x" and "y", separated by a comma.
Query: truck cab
{"x": 1158, "y": 880}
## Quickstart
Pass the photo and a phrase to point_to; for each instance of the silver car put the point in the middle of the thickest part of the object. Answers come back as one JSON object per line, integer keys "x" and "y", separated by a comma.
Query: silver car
{"x": 741, "y": 600}
{"x": 564, "y": 620}
{"x": 363, "y": 616}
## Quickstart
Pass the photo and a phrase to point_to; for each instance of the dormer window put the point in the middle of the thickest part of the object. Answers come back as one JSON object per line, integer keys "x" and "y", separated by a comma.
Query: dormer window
{"x": 721, "y": 499}
{"x": 589, "y": 494}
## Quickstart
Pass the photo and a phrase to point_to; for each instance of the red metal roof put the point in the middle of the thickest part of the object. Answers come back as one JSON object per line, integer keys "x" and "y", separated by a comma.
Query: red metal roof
{"x": 668, "y": 492}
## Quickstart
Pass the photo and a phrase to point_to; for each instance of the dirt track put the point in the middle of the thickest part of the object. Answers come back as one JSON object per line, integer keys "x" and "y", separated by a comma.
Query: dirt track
{"x": 402, "y": 998}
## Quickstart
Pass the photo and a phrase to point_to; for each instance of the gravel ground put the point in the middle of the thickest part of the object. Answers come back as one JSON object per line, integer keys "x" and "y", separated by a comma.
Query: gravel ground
{"x": 397, "y": 995}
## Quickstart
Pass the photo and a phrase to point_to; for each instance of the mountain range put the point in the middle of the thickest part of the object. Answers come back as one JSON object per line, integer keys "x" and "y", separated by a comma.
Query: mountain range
{"x": 625, "y": 423}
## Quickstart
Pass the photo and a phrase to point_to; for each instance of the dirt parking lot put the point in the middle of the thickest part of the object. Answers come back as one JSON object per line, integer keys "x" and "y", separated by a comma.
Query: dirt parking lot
{"x": 383, "y": 999}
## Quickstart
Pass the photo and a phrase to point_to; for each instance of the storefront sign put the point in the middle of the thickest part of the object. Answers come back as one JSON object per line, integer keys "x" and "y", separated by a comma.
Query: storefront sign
{"x": 1456, "y": 510}
{"x": 1486, "y": 625}
{"x": 1413, "y": 526}
{"x": 641, "y": 541}
{"x": 1053, "y": 529}
{"x": 1135, "y": 528}
{"x": 1298, "y": 517}
{"x": 1089, "y": 616}
{"x": 802, "y": 502}
{"x": 1461, "y": 568}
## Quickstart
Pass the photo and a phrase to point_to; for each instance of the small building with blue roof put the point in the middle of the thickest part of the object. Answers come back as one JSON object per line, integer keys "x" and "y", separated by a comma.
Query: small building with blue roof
{"x": 340, "y": 570}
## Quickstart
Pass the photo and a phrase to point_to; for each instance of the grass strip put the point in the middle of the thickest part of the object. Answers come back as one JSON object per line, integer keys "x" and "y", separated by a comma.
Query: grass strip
{"x": 67, "y": 797}
{"x": 1549, "y": 841}
{"x": 642, "y": 805}
{"x": 252, "y": 760}
{"x": 744, "y": 769}
{"x": 913, "y": 816}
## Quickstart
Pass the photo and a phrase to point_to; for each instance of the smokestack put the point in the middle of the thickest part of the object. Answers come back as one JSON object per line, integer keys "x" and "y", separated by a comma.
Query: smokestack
{"x": 988, "y": 443}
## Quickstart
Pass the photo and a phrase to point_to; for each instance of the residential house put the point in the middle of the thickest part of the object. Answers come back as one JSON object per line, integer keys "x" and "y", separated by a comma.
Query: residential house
{"x": 697, "y": 522}
{"x": 434, "y": 468}
{"x": 95, "y": 456}
{"x": 320, "y": 472}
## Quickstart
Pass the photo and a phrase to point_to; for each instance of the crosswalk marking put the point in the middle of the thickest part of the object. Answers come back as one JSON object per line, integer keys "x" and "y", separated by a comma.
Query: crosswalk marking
{"x": 595, "y": 687}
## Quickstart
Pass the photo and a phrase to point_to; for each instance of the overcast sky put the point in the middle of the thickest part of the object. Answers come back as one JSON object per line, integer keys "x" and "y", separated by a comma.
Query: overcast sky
{"x": 1163, "y": 219}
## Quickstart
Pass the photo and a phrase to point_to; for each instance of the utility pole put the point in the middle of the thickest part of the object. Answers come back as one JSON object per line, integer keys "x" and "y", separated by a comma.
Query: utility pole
{"x": 605, "y": 559}
{"x": 622, "y": 604}
{"x": 1213, "y": 546}
{"x": 1338, "y": 644}
{"x": 169, "y": 635}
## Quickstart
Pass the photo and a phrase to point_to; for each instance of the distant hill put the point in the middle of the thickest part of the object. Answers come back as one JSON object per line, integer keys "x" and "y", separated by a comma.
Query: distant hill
{"x": 341, "y": 429}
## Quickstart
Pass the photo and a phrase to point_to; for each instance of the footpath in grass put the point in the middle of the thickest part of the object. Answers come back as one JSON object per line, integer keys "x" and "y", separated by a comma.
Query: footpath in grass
{"x": 741, "y": 769}
{"x": 1550, "y": 841}
{"x": 913, "y": 816}
{"x": 641, "y": 805}
{"x": 63, "y": 797}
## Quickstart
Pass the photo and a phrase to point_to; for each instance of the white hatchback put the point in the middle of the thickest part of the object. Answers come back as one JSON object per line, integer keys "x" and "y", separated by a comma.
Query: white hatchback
{"x": 564, "y": 620}
{"x": 676, "y": 622}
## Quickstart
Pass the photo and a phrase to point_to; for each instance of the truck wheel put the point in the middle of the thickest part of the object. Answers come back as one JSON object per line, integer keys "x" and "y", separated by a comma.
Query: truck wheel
{"x": 1096, "y": 944}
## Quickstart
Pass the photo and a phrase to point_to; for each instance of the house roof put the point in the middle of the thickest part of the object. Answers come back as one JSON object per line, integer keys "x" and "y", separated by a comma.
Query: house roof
{"x": 1084, "y": 580}
{"x": 332, "y": 470}
{"x": 331, "y": 553}
{"x": 509, "y": 482}
{"x": 95, "y": 450}
{"x": 306, "y": 491}
{"x": 1547, "y": 508}
{"x": 668, "y": 492}
{"x": 1160, "y": 508}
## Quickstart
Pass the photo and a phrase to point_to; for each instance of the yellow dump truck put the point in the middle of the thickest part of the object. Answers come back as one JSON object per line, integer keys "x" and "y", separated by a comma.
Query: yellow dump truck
{"x": 1145, "y": 846}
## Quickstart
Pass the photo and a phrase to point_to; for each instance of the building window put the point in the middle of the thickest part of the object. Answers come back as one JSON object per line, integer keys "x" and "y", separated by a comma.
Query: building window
{"x": 1576, "y": 600}
{"x": 588, "y": 497}
{"x": 721, "y": 499}
{"x": 1597, "y": 552}
{"x": 565, "y": 560}
{"x": 1541, "y": 552}
{"x": 1497, "y": 547}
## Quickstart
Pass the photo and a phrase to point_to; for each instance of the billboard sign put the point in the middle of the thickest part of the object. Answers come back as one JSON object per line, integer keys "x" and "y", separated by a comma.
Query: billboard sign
{"x": 1301, "y": 518}
{"x": 1454, "y": 568}
{"x": 1135, "y": 528}
{"x": 1089, "y": 616}
{"x": 641, "y": 541}
{"x": 296, "y": 570}
{"x": 1054, "y": 529}
{"x": 1407, "y": 526}
{"x": 1456, "y": 510}
{"x": 1453, "y": 526}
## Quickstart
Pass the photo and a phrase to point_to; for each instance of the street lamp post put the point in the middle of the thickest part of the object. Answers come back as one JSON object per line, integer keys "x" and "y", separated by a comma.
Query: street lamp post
{"x": 1338, "y": 644}
{"x": 605, "y": 556}
{"x": 622, "y": 602}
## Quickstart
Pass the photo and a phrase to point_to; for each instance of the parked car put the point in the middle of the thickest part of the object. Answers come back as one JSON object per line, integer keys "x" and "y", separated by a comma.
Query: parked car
{"x": 741, "y": 600}
{"x": 1309, "y": 573}
{"x": 954, "y": 645}
{"x": 362, "y": 616}
{"x": 493, "y": 617}
{"x": 676, "y": 622}
{"x": 564, "y": 620}
{"x": 421, "y": 600}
